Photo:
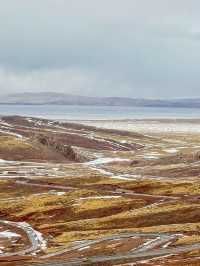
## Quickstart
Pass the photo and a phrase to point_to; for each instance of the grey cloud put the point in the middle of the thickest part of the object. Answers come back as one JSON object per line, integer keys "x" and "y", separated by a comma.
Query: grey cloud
{"x": 129, "y": 48}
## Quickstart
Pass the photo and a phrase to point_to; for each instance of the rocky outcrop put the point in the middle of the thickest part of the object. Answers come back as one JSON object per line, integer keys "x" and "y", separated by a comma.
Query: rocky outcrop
{"x": 65, "y": 150}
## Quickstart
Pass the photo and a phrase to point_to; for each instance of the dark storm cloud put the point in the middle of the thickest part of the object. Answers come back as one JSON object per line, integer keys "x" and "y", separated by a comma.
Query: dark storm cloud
{"x": 135, "y": 48}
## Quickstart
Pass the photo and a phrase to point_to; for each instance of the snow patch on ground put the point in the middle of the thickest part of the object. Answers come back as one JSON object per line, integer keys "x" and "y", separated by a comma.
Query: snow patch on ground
{"x": 37, "y": 235}
{"x": 151, "y": 157}
{"x": 2, "y": 161}
{"x": 101, "y": 197}
{"x": 141, "y": 126}
{"x": 172, "y": 150}
{"x": 9, "y": 234}
{"x": 11, "y": 133}
{"x": 41, "y": 240}
{"x": 121, "y": 177}
{"x": 105, "y": 160}
{"x": 80, "y": 249}
{"x": 60, "y": 193}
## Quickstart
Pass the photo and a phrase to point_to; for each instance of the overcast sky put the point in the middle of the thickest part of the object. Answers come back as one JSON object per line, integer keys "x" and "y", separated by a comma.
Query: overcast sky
{"x": 133, "y": 48}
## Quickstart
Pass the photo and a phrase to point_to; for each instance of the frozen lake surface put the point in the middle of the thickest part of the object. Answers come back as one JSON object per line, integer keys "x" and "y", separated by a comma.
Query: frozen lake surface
{"x": 71, "y": 112}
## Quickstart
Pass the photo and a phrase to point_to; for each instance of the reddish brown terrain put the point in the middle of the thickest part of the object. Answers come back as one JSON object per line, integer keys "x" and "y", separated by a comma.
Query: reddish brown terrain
{"x": 79, "y": 195}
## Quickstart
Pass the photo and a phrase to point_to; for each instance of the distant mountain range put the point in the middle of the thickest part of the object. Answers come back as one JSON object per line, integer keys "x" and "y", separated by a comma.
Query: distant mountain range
{"x": 45, "y": 98}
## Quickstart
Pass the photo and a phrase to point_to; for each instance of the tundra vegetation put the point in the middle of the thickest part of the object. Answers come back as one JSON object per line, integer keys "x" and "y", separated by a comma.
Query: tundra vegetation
{"x": 72, "y": 193}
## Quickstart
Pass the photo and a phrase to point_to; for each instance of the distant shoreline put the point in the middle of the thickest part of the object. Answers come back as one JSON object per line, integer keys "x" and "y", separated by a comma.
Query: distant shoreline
{"x": 104, "y": 105}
